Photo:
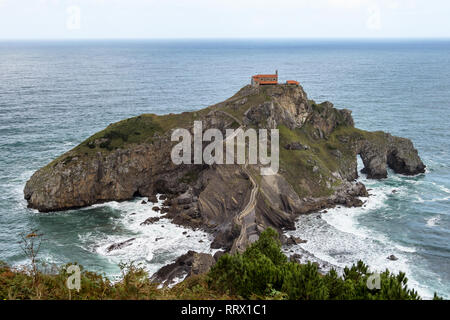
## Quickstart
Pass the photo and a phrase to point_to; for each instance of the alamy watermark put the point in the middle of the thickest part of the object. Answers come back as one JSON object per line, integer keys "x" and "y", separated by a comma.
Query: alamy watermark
{"x": 374, "y": 281}
{"x": 234, "y": 140}
{"x": 73, "y": 21}
{"x": 74, "y": 280}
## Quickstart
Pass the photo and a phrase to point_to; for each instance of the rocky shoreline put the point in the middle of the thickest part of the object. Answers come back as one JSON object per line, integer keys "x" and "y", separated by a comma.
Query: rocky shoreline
{"x": 319, "y": 146}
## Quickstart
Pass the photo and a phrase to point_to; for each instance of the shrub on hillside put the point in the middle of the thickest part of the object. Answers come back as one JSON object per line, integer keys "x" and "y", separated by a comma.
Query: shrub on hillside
{"x": 263, "y": 268}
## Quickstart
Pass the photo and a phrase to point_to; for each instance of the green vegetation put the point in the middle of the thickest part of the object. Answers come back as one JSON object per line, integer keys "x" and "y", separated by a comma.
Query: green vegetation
{"x": 236, "y": 108}
{"x": 136, "y": 130}
{"x": 298, "y": 165}
{"x": 135, "y": 284}
{"x": 261, "y": 272}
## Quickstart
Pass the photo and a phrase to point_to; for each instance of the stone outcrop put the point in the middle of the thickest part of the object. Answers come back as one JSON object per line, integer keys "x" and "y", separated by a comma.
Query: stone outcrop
{"x": 132, "y": 158}
{"x": 150, "y": 220}
{"x": 396, "y": 153}
{"x": 120, "y": 245}
{"x": 189, "y": 264}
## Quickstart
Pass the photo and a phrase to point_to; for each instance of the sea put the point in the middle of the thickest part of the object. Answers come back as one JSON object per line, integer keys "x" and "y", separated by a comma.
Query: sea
{"x": 55, "y": 94}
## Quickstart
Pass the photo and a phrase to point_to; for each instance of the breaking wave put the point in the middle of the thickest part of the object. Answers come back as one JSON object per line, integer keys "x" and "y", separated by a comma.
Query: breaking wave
{"x": 153, "y": 245}
{"x": 338, "y": 237}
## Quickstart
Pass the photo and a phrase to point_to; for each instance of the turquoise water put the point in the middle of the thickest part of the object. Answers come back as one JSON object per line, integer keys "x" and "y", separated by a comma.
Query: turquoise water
{"x": 53, "y": 95}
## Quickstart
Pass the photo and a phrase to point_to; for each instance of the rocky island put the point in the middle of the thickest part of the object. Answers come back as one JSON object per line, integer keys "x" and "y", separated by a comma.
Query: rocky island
{"x": 319, "y": 146}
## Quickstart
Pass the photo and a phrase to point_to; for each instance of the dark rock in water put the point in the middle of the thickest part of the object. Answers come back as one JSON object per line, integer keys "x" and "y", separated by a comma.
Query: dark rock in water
{"x": 295, "y": 257}
{"x": 392, "y": 257}
{"x": 160, "y": 238}
{"x": 289, "y": 241}
{"x": 143, "y": 202}
{"x": 153, "y": 198}
{"x": 394, "y": 191}
{"x": 218, "y": 254}
{"x": 298, "y": 240}
{"x": 162, "y": 197}
{"x": 132, "y": 214}
{"x": 155, "y": 208}
{"x": 150, "y": 220}
{"x": 165, "y": 209}
{"x": 184, "y": 232}
{"x": 120, "y": 245}
{"x": 190, "y": 263}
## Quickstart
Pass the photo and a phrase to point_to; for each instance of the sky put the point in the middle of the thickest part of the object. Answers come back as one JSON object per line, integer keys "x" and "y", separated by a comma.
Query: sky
{"x": 149, "y": 19}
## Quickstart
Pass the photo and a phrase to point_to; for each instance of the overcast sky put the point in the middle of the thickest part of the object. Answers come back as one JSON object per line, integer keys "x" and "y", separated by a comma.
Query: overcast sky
{"x": 71, "y": 19}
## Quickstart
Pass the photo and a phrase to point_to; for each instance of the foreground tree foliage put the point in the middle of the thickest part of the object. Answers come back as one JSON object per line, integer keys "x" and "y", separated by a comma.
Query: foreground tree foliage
{"x": 261, "y": 272}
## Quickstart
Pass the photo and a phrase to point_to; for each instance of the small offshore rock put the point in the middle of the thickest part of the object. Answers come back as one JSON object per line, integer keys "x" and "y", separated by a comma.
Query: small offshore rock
{"x": 164, "y": 209}
{"x": 189, "y": 264}
{"x": 294, "y": 240}
{"x": 150, "y": 220}
{"x": 120, "y": 245}
{"x": 392, "y": 257}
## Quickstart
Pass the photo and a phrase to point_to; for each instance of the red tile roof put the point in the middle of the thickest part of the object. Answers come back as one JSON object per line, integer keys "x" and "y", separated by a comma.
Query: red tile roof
{"x": 265, "y": 76}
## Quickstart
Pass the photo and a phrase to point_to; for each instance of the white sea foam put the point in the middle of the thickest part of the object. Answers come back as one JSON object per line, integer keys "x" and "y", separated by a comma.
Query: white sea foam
{"x": 419, "y": 199}
{"x": 443, "y": 188}
{"x": 345, "y": 219}
{"x": 337, "y": 238}
{"x": 154, "y": 246}
{"x": 431, "y": 222}
{"x": 337, "y": 247}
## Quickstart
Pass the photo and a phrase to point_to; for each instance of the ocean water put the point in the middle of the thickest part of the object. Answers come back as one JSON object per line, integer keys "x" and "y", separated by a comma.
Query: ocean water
{"x": 53, "y": 95}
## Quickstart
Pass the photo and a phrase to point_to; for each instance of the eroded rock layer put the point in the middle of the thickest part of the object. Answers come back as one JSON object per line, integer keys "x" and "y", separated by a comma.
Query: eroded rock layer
{"x": 318, "y": 166}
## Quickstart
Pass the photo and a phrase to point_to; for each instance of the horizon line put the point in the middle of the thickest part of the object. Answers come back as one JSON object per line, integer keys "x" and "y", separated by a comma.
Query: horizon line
{"x": 235, "y": 38}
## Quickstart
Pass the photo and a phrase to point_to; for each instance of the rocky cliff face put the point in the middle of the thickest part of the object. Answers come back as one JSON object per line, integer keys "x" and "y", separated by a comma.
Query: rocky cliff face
{"x": 318, "y": 150}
